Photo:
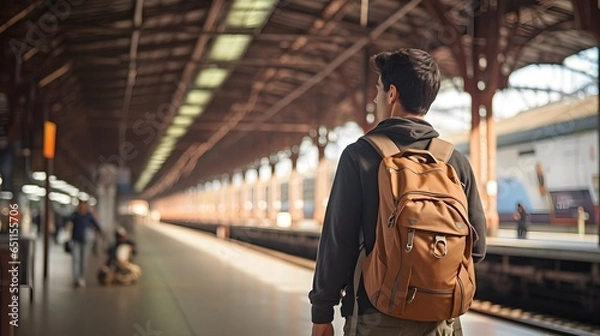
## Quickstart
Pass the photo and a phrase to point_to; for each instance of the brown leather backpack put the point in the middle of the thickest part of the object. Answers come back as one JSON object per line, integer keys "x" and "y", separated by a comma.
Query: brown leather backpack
{"x": 421, "y": 267}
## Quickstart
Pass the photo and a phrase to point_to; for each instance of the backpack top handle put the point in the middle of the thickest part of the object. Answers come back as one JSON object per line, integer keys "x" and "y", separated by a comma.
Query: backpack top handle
{"x": 424, "y": 156}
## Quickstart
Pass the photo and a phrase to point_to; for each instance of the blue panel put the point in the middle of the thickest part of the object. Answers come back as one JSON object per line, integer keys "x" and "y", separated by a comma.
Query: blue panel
{"x": 511, "y": 192}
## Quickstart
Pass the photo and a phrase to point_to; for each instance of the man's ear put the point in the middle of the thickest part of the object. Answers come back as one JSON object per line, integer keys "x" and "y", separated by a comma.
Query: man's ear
{"x": 392, "y": 95}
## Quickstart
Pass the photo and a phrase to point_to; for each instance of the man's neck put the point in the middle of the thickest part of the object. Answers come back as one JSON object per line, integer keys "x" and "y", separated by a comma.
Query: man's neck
{"x": 404, "y": 114}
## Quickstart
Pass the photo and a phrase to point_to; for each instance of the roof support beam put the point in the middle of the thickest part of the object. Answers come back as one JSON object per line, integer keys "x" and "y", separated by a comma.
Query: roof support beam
{"x": 110, "y": 32}
{"x": 19, "y": 16}
{"x": 262, "y": 127}
{"x": 189, "y": 159}
{"x": 131, "y": 74}
{"x": 107, "y": 122}
{"x": 54, "y": 75}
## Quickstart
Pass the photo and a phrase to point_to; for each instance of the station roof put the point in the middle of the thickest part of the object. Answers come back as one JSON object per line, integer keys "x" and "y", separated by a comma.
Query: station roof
{"x": 184, "y": 91}
{"x": 553, "y": 120}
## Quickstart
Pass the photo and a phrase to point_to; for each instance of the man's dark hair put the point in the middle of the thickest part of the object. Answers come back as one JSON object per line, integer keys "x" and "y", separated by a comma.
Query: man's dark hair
{"x": 414, "y": 73}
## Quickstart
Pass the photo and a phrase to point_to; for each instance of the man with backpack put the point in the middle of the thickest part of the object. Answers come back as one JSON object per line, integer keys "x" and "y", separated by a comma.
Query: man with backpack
{"x": 404, "y": 222}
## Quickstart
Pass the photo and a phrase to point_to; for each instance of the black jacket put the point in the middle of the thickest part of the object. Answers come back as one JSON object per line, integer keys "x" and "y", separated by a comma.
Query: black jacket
{"x": 352, "y": 206}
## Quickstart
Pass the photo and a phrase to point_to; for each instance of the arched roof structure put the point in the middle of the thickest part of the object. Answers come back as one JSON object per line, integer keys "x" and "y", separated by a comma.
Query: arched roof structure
{"x": 180, "y": 91}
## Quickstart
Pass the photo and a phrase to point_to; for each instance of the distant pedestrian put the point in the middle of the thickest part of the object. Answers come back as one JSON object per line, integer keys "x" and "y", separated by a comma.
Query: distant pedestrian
{"x": 82, "y": 237}
{"x": 522, "y": 218}
{"x": 582, "y": 216}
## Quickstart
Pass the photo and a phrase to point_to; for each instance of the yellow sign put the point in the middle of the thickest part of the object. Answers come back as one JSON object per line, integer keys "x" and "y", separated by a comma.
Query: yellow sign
{"x": 49, "y": 139}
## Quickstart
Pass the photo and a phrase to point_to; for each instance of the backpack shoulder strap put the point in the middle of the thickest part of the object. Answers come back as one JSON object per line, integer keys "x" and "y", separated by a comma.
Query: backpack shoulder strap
{"x": 441, "y": 149}
{"x": 384, "y": 145}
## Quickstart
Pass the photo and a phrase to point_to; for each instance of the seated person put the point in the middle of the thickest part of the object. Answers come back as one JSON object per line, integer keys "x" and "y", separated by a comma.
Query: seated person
{"x": 118, "y": 267}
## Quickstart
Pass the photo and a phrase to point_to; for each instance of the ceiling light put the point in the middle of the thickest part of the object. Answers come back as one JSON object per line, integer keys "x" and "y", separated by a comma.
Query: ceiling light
{"x": 160, "y": 156}
{"x": 249, "y": 13}
{"x": 169, "y": 142}
{"x": 211, "y": 77}
{"x": 164, "y": 147}
{"x": 198, "y": 97}
{"x": 229, "y": 47}
{"x": 182, "y": 120}
{"x": 190, "y": 110}
{"x": 176, "y": 131}
{"x": 39, "y": 176}
{"x": 29, "y": 189}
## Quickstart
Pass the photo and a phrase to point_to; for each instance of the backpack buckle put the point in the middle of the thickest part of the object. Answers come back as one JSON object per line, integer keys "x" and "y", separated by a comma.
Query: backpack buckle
{"x": 440, "y": 240}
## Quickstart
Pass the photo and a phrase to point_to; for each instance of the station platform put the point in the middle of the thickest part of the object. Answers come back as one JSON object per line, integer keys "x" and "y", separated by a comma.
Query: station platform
{"x": 554, "y": 245}
{"x": 193, "y": 284}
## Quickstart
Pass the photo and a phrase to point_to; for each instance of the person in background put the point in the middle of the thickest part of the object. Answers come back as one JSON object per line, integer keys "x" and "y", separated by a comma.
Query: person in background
{"x": 121, "y": 238}
{"x": 582, "y": 216}
{"x": 82, "y": 236}
{"x": 522, "y": 218}
{"x": 119, "y": 267}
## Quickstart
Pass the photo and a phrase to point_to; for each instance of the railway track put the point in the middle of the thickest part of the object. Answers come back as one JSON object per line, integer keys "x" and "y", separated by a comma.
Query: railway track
{"x": 539, "y": 321}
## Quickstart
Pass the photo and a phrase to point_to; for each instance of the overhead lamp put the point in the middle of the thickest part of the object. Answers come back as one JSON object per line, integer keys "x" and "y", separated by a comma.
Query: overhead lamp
{"x": 40, "y": 192}
{"x": 39, "y": 176}
{"x": 182, "y": 120}
{"x": 57, "y": 183}
{"x": 164, "y": 150}
{"x": 165, "y": 146}
{"x": 229, "y": 47}
{"x": 189, "y": 110}
{"x": 60, "y": 198}
{"x": 176, "y": 131}
{"x": 249, "y": 13}
{"x": 29, "y": 189}
{"x": 168, "y": 140}
{"x": 198, "y": 97}
{"x": 155, "y": 164}
{"x": 211, "y": 77}
{"x": 162, "y": 153}
{"x": 160, "y": 156}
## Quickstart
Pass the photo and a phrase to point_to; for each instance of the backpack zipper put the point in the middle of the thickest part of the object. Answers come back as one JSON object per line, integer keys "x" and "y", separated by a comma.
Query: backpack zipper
{"x": 432, "y": 194}
{"x": 392, "y": 217}
{"x": 413, "y": 292}
{"x": 411, "y": 238}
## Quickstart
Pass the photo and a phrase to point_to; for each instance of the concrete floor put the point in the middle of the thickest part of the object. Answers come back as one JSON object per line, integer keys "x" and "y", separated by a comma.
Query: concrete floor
{"x": 193, "y": 284}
